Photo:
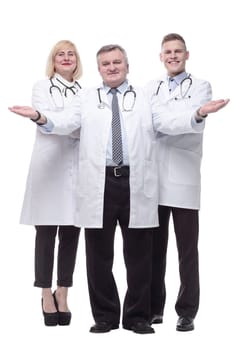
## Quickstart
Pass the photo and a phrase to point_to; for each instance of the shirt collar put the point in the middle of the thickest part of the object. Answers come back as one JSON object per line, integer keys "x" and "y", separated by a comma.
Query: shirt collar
{"x": 121, "y": 88}
{"x": 178, "y": 78}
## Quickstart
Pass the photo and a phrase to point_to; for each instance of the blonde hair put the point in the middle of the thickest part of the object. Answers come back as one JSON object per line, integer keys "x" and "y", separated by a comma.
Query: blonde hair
{"x": 61, "y": 45}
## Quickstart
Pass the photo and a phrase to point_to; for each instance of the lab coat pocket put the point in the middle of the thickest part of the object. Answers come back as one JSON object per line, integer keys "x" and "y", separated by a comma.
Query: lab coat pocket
{"x": 184, "y": 167}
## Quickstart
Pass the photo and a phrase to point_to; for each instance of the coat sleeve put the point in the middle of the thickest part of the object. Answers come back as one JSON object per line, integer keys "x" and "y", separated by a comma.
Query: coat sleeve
{"x": 180, "y": 120}
{"x": 63, "y": 122}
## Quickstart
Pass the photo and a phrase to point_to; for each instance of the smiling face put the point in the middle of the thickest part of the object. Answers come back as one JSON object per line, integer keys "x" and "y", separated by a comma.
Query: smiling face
{"x": 113, "y": 67}
{"x": 174, "y": 56}
{"x": 65, "y": 62}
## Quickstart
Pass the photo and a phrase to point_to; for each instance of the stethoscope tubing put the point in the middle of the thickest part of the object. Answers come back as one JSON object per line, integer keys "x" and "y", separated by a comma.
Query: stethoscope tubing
{"x": 181, "y": 84}
{"x": 54, "y": 87}
{"x": 101, "y": 104}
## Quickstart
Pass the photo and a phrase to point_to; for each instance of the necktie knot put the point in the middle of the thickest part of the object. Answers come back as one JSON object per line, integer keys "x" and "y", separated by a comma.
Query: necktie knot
{"x": 113, "y": 91}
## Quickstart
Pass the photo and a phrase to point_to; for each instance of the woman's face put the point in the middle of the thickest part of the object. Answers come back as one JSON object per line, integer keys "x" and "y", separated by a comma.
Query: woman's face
{"x": 65, "y": 63}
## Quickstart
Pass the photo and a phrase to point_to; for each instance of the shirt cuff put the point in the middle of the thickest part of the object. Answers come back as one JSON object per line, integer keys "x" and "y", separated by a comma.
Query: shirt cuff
{"x": 197, "y": 125}
{"x": 48, "y": 127}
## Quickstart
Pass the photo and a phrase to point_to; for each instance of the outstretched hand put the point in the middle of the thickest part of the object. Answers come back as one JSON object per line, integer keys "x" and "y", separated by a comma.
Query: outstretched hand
{"x": 24, "y": 111}
{"x": 213, "y": 106}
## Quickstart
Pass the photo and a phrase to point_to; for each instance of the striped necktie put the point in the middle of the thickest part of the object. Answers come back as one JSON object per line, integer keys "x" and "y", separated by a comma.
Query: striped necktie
{"x": 117, "y": 152}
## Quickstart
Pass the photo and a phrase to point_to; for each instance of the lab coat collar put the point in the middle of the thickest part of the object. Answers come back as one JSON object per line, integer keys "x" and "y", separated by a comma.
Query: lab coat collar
{"x": 63, "y": 81}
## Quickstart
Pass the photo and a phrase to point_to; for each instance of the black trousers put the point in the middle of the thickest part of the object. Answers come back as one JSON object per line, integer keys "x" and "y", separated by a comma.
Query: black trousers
{"x": 186, "y": 228}
{"x": 104, "y": 297}
{"x": 44, "y": 255}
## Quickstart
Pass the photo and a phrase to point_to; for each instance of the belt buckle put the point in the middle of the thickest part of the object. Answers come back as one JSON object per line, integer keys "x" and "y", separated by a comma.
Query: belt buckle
{"x": 115, "y": 171}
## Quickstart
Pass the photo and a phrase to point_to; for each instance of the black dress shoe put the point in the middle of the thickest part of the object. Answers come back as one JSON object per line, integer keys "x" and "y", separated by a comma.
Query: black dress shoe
{"x": 64, "y": 318}
{"x": 50, "y": 318}
{"x": 156, "y": 319}
{"x": 103, "y": 327}
{"x": 140, "y": 328}
{"x": 185, "y": 324}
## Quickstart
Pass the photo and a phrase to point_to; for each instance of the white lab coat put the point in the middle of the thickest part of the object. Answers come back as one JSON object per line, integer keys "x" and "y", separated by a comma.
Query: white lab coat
{"x": 95, "y": 126}
{"x": 49, "y": 194}
{"x": 180, "y": 156}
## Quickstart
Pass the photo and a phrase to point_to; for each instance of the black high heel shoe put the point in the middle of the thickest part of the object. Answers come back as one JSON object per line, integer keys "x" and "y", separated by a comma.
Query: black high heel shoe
{"x": 50, "y": 318}
{"x": 64, "y": 318}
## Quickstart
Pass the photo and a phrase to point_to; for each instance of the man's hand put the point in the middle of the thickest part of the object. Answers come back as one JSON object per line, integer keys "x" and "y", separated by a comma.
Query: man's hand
{"x": 212, "y": 107}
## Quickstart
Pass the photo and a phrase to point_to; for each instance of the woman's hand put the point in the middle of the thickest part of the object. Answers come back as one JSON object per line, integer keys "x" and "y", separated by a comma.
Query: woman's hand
{"x": 24, "y": 111}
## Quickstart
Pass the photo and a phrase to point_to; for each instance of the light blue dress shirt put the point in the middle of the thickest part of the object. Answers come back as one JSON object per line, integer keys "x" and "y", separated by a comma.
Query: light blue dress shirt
{"x": 173, "y": 82}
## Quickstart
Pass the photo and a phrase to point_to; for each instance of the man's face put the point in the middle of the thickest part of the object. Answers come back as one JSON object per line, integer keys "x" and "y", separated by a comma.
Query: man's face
{"x": 113, "y": 67}
{"x": 174, "y": 56}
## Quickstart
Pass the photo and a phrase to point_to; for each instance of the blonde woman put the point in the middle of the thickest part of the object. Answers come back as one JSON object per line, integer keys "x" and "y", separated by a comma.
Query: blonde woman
{"x": 49, "y": 196}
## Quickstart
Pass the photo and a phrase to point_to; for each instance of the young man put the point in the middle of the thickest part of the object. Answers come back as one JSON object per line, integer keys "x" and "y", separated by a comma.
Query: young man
{"x": 180, "y": 184}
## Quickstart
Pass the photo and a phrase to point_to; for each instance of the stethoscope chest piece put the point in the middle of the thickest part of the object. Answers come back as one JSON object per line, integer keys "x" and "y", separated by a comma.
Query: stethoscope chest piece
{"x": 101, "y": 105}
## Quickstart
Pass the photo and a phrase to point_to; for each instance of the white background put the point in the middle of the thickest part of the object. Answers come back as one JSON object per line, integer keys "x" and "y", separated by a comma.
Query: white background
{"x": 28, "y": 31}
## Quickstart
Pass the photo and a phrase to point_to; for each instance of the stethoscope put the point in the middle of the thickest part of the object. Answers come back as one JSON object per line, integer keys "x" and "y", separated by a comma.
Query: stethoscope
{"x": 127, "y": 105}
{"x": 185, "y": 86}
{"x": 57, "y": 93}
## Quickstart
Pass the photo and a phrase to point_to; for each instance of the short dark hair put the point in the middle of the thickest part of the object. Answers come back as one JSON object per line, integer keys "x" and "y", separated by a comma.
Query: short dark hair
{"x": 173, "y": 36}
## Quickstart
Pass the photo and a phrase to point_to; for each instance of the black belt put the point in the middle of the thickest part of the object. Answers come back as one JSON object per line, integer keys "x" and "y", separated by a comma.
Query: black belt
{"x": 117, "y": 171}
